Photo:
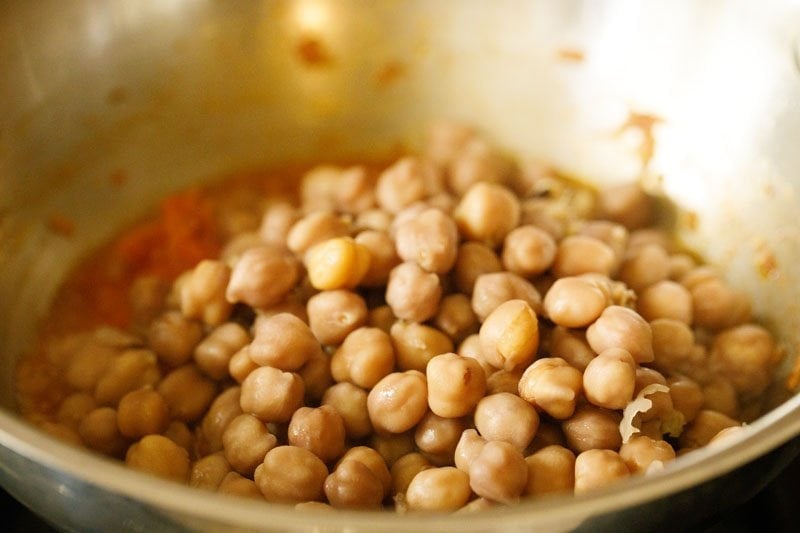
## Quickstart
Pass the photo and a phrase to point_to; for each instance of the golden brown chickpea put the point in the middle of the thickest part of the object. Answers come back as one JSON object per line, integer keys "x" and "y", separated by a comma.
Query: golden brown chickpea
{"x": 188, "y": 393}
{"x": 552, "y": 385}
{"x": 277, "y": 221}
{"x": 142, "y": 412}
{"x": 429, "y": 239}
{"x": 405, "y": 468}
{"x": 598, "y": 468}
{"x": 158, "y": 455}
{"x": 473, "y": 260}
{"x": 173, "y": 337}
{"x": 283, "y": 341}
{"x": 455, "y": 384}
{"x": 471, "y": 348}
{"x": 332, "y": 315}
{"x": 437, "y": 437}
{"x": 416, "y": 344}
{"x": 99, "y": 432}
{"x": 610, "y": 378}
{"x": 640, "y": 452}
{"x": 412, "y": 293}
{"x": 467, "y": 449}
{"x": 381, "y": 317}
{"x": 398, "y": 401}
{"x": 499, "y": 472}
{"x": 716, "y": 305}
{"x": 687, "y": 396}
{"x": 644, "y": 266}
{"x": 614, "y": 235}
{"x": 571, "y": 346}
{"x": 528, "y": 251}
{"x": 223, "y": 409}
{"x": 503, "y": 381}
{"x": 319, "y": 430}
{"x": 316, "y": 376}
{"x": 408, "y": 180}
{"x": 581, "y": 254}
{"x": 492, "y": 290}
{"x": 246, "y": 440}
{"x": 372, "y": 460}
{"x": 720, "y": 395}
{"x": 438, "y": 489}
{"x": 673, "y": 342}
{"x": 236, "y": 484}
{"x": 665, "y": 299}
{"x": 627, "y": 204}
{"x": 240, "y": 365}
{"x": 510, "y": 335}
{"x": 262, "y": 277}
{"x": 131, "y": 370}
{"x": 291, "y": 475}
{"x": 456, "y": 317}
{"x": 213, "y": 354}
{"x": 620, "y": 327}
{"x": 350, "y": 402}
{"x": 745, "y": 355}
{"x": 550, "y": 470}
{"x": 272, "y": 395}
{"x": 313, "y": 228}
{"x": 383, "y": 257}
{"x": 338, "y": 263}
{"x": 506, "y": 417}
{"x": 592, "y": 428}
{"x": 209, "y": 471}
{"x": 364, "y": 358}
{"x": 203, "y": 293}
{"x": 574, "y": 302}
{"x": 704, "y": 427}
{"x": 487, "y": 212}
{"x": 179, "y": 433}
{"x": 392, "y": 446}
{"x": 74, "y": 408}
{"x": 353, "y": 485}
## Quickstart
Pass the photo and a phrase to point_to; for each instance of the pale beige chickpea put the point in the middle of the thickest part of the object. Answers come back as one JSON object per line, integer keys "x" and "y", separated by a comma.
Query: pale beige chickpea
{"x": 383, "y": 257}
{"x": 499, "y": 472}
{"x": 437, "y": 437}
{"x": 129, "y": 371}
{"x": 620, "y": 327}
{"x": 364, "y": 358}
{"x": 158, "y": 455}
{"x": 548, "y": 434}
{"x": 408, "y": 180}
{"x": 375, "y": 219}
{"x": 528, "y": 251}
{"x": 680, "y": 264}
{"x": 213, "y": 354}
{"x": 353, "y": 485}
{"x": 665, "y": 299}
{"x": 704, "y": 427}
{"x": 430, "y": 239}
{"x": 438, "y": 489}
{"x": 405, "y": 468}
{"x": 319, "y": 430}
{"x": 283, "y": 341}
{"x": 291, "y": 475}
{"x": 641, "y": 451}
{"x": 381, "y": 317}
{"x": 316, "y": 376}
{"x": 472, "y": 261}
{"x": 444, "y": 140}
{"x": 549, "y": 214}
{"x": 550, "y": 470}
{"x": 416, "y": 344}
{"x": 74, "y": 408}
{"x": 471, "y": 348}
{"x": 173, "y": 337}
{"x": 455, "y": 385}
{"x": 278, "y": 218}
{"x": 271, "y": 394}
{"x": 745, "y": 355}
{"x": 467, "y": 449}
{"x": 720, "y": 395}
{"x": 673, "y": 341}
{"x": 475, "y": 162}
{"x": 392, "y": 446}
{"x": 240, "y": 364}
{"x": 627, "y": 204}
{"x": 398, "y": 401}
{"x": 644, "y": 266}
{"x": 313, "y": 228}
{"x": 716, "y": 305}
{"x": 571, "y": 346}
{"x": 203, "y": 293}
{"x": 592, "y": 428}
{"x": 237, "y": 485}
{"x": 188, "y": 393}
{"x": 338, "y": 263}
{"x": 142, "y": 412}
{"x": 687, "y": 396}
{"x": 245, "y": 441}
{"x": 610, "y": 378}
{"x": 223, "y": 409}
{"x": 456, "y": 317}
{"x": 332, "y": 315}
{"x": 581, "y": 254}
{"x": 552, "y": 385}
{"x": 372, "y": 460}
{"x": 595, "y": 469}
{"x": 412, "y": 293}
{"x": 492, "y": 290}
{"x": 510, "y": 335}
{"x": 487, "y": 213}
{"x": 574, "y": 302}
{"x": 350, "y": 402}
{"x": 503, "y": 381}
{"x": 615, "y": 235}
{"x": 506, "y": 417}
{"x": 209, "y": 471}
{"x": 262, "y": 276}
{"x": 99, "y": 432}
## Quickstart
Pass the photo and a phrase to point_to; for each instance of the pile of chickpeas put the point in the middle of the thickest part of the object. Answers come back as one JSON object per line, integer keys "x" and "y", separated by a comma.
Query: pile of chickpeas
{"x": 455, "y": 331}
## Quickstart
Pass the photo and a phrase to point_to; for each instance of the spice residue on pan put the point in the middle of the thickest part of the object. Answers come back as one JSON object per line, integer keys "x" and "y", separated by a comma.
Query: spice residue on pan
{"x": 571, "y": 54}
{"x": 313, "y": 52}
{"x": 644, "y": 122}
{"x": 766, "y": 263}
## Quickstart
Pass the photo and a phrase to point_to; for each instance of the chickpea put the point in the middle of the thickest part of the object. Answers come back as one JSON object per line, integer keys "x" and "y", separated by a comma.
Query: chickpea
{"x": 276, "y": 222}
{"x": 364, "y": 358}
{"x": 338, "y": 263}
{"x": 704, "y": 427}
{"x": 745, "y": 355}
{"x": 353, "y": 485}
{"x": 350, "y": 402}
{"x": 456, "y": 317}
{"x": 475, "y": 162}
{"x": 665, "y": 299}
{"x": 550, "y": 470}
{"x": 158, "y": 455}
{"x": 319, "y": 430}
{"x": 129, "y": 371}
{"x": 262, "y": 277}
{"x": 492, "y": 290}
{"x": 209, "y": 471}
{"x": 240, "y": 364}
{"x": 680, "y": 264}
{"x": 438, "y": 489}
{"x": 283, "y": 341}
{"x": 142, "y": 412}
{"x": 487, "y": 213}
{"x": 644, "y": 266}
{"x": 91, "y": 358}
{"x": 429, "y": 239}
{"x": 510, "y": 335}
{"x": 147, "y": 297}
{"x": 188, "y": 393}
{"x": 173, "y": 337}
{"x": 99, "y": 432}
{"x": 574, "y": 302}
{"x": 455, "y": 384}
{"x": 372, "y": 460}
{"x": 314, "y": 228}
{"x": 237, "y": 485}
{"x": 548, "y": 434}
{"x": 472, "y": 261}
{"x": 614, "y": 235}
{"x": 412, "y": 293}
{"x": 74, "y": 408}
{"x": 499, "y": 472}
{"x": 246, "y": 440}
{"x": 471, "y": 348}
{"x": 416, "y": 344}
{"x": 552, "y": 385}
{"x": 381, "y": 317}
{"x": 549, "y": 214}
{"x": 571, "y": 346}
{"x": 627, "y": 204}
{"x": 407, "y": 181}
{"x": 316, "y": 376}
{"x": 332, "y": 315}
{"x": 469, "y": 446}
{"x": 716, "y": 305}
{"x": 620, "y": 327}
{"x": 437, "y": 437}
{"x": 720, "y": 395}
{"x": 528, "y": 251}
{"x": 179, "y": 433}
{"x": 405, "y": 468}
{"x": 271, "y": 394}
{"x": 383, "y": 257}
{"x": 581, "y": 254}
{"x": 673, "y": 341}
{"x": 374, "y": 219}
{"x": 392, "y": 446}
{"x": 506, "y": 417}
{"x": 223, "y": 409}
{"x": 354, "y": 190}
{"x": 610, "y": 378}
{"x": 595, "y": 469}
{"x": 398, "y": 401}
{"x": 592, "y": 428}
{"x": 503, "y": 381}
{"x": 291, "y": 475}
{"x": 641, "y": 451}
{"x": 213, "y": 354}
{"x": 687, "y": 396}
{"x": 203, "y": 293}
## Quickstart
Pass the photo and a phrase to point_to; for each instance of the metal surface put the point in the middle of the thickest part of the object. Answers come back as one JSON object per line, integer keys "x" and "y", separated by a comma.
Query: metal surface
{"x": 174, "y": 91}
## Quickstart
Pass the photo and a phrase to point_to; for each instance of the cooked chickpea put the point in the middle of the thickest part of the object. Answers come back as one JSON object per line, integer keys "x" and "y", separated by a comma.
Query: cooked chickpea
{"x": 240, "y": 364}
{"x": 332, "y": 315}
{"x": 350, "y": 402}
{"x": 506, "y": 417}
{"x": 74, "y": 408}
{"x": 687, "y": 396}
{"x": 438, "y": 489}
{"x": 319, "y": 430}
{"x": 246, "y": 440}
{"x": 610, "y": 378}
{"x": 405, "y": 468}
{"x": 571, "y": 346}
{"x": 338, "y": 263}
{"x": 548, "y": 434}
{"x": 353, "y": 485}
{"x": 581, "y": 254}
{"x": 407, "y": 181}
{"x": 614, "y": 235}
{"x": 503, "y": 381}
{"x": 720, "y": 395}
{"x": 499, "y": 472}
{"x": 392, "y": 446}
{"x": 473, "y": 260}
{"x": 314, "y": 228}
{"x": 416, "y": 344}
{"x": 173, "y": 337}
{"x": 673, "y": 341}
{"x": 262, "y": 277}
{"x": 627, "y": 204}
{"x": 510, "y": 335}
{"x": 456, "y": 317}
{"x": 129, "y": 371}
{"x": 665, "y": 299}
{"x": 213, "y": 354}
{"x": 704, "y": 427}
{"x": 142, "y": 412}
{"x": 644, "y": 266}
{"x": 271, "y": 394}
{"x": 592, "y": 428}
{"x": 398, "y": 401}
{"x": 437, "y": 437}
{"x": 445, "y": 139}
{"x": 203, "y": 293}
{"x": 223, "y": 409}
{"x": 492, "y": 290}
{"x": 467, "y": 449}
{"x": 412, "y": 293}
{"x": 236, "y": 484}
{"x": 179, "y": 433}
{"x": 99, "y": 432}
{"x": 550, "y": 470}
{"x": 716, "y": 305}
{"x": 528, "y": 251}
{"x": 278, "y": 218}
{"x": 316, "y": 376}
{"x": 381, "y": 317}
{"x": 383, "y": 257}
{"x": 209, "y": 471}
{"x": 727, "y": 436}
{"x": 471, "y": 348}
{"x": 641, "y": 451}
{"x": 620, "y": 327}
{"x": 574, "y": 302}
{"x": 158, "y": 455}
{"x": 595, "y": 469}
{"x": 147, "y": 297}
{"x": 552, "y": 385}
{"x": 291, "y": 475}
{"x": 745, "y": 355}
{"x": 188, "y": 393}
{"x": 455, "y": 384}
{"x": 429, "y": 239}
{"x": 487, "y": 213}
{"x": 372, "y": 460}
{"x": 475, "y": 162}
{"x": 364, "y": 358}
{"x": 375, "y": 219}
{"x": 283, "y": 341}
